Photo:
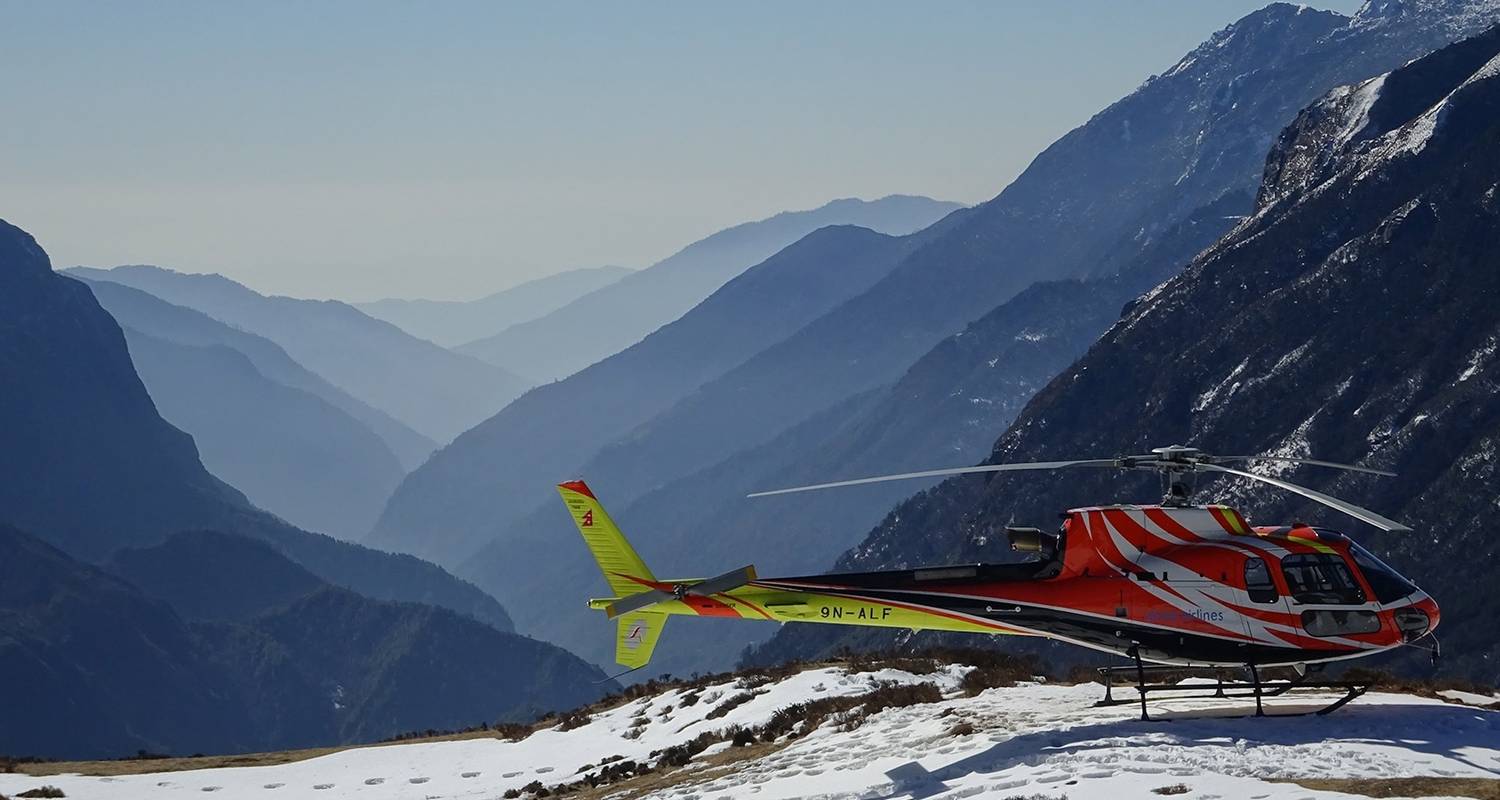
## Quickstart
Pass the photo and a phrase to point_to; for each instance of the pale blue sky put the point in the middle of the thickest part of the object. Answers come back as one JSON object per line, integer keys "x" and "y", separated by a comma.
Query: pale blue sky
{"x": 365, "y": 149}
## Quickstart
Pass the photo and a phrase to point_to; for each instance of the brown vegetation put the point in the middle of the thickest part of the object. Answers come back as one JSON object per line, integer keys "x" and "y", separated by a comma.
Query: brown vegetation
{"x": 1479, "y": 788}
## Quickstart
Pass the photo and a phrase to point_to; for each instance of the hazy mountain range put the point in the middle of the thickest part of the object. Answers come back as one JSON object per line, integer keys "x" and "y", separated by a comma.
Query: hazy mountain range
{"x": 455, "y": 322}
{"x": 290, "y": 450}
{"x": 92, "y": 470}
{"x": 610, "y": 319}
{"x": 435, "y": 391}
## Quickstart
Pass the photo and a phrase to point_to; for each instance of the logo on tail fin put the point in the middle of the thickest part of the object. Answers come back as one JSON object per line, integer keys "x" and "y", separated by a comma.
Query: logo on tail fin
{"x": 588, "y": 519}
{"x": 636, "y": 636}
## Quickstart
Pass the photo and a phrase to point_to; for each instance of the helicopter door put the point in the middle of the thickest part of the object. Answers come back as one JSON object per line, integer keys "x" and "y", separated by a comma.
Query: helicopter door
{"x": 1260, "y": 585}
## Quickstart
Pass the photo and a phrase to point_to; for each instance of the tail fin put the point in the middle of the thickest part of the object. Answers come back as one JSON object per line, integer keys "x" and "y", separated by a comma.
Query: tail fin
{"x": 625, "y": 572}
{"x": 636, "y": 632}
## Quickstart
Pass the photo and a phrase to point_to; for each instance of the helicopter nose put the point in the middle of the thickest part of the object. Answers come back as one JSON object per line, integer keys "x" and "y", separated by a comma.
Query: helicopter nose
{"x": 1418, "y": 619}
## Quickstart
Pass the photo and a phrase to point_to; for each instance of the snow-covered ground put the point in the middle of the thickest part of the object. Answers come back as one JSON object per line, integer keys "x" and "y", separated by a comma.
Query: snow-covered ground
{"x": 1026, "y": 740}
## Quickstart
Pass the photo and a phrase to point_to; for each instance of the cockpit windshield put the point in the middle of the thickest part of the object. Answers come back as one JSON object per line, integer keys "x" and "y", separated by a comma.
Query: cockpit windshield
{"x": 1388, "y": 584}
{"x": 1321, "y": 578}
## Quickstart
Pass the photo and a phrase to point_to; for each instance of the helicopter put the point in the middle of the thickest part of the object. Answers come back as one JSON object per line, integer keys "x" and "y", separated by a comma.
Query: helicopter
{"x": 1174, "y": 583}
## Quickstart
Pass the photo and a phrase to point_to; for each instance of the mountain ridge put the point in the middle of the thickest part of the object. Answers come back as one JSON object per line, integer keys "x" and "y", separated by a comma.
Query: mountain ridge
{"x": 452, "y": 323}
{"x": 614, "y": 317}
{"x": 433, "y": 390}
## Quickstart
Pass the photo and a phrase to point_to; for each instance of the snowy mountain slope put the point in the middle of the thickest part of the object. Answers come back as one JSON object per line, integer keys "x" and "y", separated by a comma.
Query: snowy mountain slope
{"x": 1030, "y": 739}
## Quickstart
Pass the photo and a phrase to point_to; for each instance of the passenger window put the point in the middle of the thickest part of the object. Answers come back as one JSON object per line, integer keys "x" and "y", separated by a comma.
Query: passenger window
{"x": 1321, "y": 578}
{"x": 1258, "y": 582}
{"x": 1322, "y": 622}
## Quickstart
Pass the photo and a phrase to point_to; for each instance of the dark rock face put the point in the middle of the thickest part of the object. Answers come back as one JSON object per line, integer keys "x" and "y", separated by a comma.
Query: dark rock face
{"x": 86, "y": 457}
{"x": 1353, "y": 317}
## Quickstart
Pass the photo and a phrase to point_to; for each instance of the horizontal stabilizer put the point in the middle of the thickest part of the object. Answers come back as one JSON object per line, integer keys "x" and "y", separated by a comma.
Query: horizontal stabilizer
{"x": 723, "y": 583}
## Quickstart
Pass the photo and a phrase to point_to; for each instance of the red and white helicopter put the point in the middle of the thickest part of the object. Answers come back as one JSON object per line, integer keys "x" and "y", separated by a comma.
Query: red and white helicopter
{"x": 1173, "y": 583}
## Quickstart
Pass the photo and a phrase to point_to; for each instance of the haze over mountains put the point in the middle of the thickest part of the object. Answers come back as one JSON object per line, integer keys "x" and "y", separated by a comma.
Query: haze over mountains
{"x": 455, "y": 322}
{"x": 433, "y": 390}
{"x": 610, "y": 319}
{"x": 91, "y": 470}
{"x": 287, "y": 448}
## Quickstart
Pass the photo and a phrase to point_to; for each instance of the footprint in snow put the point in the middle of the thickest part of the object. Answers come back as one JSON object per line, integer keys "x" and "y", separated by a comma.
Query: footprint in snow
{"x": 374, "y": 781}
{"x": 471, "y": 774}
{"x": 212, "y": 788}
{"x": 510, "y": 774}
{"x": 322, "y": 786}
{"x": 418, "y": 780}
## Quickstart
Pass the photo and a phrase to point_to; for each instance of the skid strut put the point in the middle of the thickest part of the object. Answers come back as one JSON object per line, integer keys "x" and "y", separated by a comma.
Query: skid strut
{"x": 1255, "y": 688}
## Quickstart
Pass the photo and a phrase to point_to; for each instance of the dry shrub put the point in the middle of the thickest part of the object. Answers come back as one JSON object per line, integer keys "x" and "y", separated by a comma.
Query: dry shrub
{"x": 802, "y": 718}
{"x": 731, "y": 704}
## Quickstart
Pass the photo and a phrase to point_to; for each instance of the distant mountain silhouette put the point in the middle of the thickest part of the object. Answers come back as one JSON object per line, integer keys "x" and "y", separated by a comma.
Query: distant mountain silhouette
{"x": 108, "y": 669}
{"x": 90, "y": 465}
{"x": 509, "y": 459}
{"x": 436, "y": 392}
{"x": 610, "y": 319}
{"x": 1353, "y": 318}
{"x": 455, "y": 322}
{"x": 291, "y": 453}
{"x": 150, "y": 315}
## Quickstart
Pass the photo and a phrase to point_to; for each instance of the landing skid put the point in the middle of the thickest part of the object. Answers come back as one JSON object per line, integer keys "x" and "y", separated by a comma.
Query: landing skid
{"x": 1255, "y": 687}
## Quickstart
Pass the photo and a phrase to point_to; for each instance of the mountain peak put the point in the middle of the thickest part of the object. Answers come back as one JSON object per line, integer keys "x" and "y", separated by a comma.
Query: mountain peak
{"x": 20, "y": 255}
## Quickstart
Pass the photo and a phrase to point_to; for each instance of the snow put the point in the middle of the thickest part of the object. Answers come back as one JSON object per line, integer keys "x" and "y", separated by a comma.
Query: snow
{"x": 1470, "y": 698}
{"x": 1034, "y": 738}
{"x": 1357, "y": 115}
{"x": 1479, "y": 358}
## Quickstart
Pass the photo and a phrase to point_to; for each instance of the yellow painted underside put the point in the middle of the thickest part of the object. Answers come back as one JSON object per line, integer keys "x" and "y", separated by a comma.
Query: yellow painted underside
{"x": 785, "y": 606}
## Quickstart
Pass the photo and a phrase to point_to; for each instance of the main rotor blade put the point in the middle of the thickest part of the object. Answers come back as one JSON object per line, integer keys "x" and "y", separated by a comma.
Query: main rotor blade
{"x": 935, "y": 473}
{"x": 1363, "y": 514}
{"x": 1313, "y": 461}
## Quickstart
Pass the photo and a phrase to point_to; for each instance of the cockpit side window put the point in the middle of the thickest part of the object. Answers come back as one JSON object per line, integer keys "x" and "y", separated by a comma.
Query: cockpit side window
{"x": 1321, "y": 578}
{"x": 1258, "y": 582}
{"x": 1387, "y": 584}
